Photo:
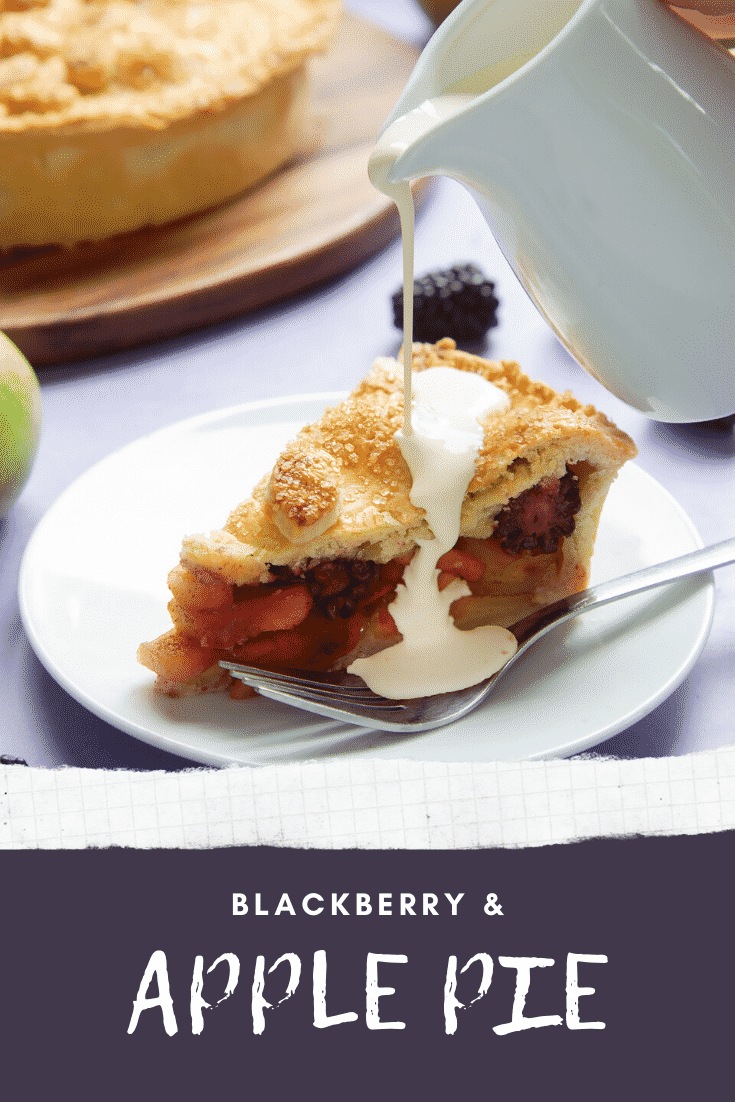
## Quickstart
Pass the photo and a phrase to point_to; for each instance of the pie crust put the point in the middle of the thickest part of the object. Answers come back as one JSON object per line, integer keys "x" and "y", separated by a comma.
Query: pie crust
{"x": 116, "y": 115}
{"x": 336, "y": 510}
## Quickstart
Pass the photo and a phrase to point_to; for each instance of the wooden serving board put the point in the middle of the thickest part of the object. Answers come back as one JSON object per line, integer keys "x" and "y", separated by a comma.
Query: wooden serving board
{"x": 314, "y": 219}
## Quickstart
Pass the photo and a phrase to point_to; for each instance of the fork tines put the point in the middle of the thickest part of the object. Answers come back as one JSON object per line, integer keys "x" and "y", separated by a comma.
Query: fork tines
{"x": 310, "y": 688}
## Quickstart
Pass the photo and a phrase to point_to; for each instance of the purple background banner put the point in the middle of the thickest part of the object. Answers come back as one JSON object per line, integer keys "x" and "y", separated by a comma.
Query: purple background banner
{"x": 80, "y": 928}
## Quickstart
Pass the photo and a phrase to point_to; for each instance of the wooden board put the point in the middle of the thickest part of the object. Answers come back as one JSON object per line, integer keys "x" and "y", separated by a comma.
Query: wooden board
{"x": 315, "y": 219}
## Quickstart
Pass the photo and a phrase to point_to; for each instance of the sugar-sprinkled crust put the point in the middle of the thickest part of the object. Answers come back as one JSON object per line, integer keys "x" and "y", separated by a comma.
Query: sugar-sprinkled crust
{"x": 102, "y": 63}
{"x": 341, "y": 487}
{"x": 304, "y": 494}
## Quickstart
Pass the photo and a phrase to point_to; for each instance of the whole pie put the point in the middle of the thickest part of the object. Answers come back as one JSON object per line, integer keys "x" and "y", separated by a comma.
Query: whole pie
{"x": 117, "y": 114}
{"x": 302, "y": 574}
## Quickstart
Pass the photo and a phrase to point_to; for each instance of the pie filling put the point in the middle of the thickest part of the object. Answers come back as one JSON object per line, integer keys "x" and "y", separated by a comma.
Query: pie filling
{"x": 315, "y": 618}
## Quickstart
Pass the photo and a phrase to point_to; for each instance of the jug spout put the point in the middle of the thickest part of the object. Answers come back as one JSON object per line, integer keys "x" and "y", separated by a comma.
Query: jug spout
{"x": 479, "y": 45}
{"x": 423, "y": 142}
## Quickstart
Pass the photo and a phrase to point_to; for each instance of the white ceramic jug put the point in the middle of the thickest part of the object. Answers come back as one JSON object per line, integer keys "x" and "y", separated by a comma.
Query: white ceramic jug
{"x": 598, "y": 138}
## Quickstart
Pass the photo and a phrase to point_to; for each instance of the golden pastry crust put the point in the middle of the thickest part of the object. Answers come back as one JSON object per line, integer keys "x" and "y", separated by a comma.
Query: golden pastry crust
{"x": 304, "y": 495}
{"x": 100, "y": 62}
{"x": 536, "y": 438}
{"x": 116, "y": 115}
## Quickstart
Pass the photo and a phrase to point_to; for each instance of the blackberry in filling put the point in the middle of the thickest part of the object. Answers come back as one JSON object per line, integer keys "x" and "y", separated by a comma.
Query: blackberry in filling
{"x": 333, "y": 600}
{"x": 537, "y": 520}
{"x": 311, "y": 617}
{"x": 343, "y": 593}
{"x": 337, "y": 586}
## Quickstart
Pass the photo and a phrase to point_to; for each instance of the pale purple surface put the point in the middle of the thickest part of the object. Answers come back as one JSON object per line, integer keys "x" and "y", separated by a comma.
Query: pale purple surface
{"x": 95, "y": 407}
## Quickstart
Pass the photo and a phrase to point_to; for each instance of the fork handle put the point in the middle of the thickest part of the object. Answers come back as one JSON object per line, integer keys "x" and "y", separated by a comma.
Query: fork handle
{"x": 696, "y": 562}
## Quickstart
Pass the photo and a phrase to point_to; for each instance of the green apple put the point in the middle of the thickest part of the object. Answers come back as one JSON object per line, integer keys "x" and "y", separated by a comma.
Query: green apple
{"x": 20, "y": 421}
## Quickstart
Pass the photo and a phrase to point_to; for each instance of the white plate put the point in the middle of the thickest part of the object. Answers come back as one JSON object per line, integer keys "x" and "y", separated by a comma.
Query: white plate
{"x": 93, "y": 586}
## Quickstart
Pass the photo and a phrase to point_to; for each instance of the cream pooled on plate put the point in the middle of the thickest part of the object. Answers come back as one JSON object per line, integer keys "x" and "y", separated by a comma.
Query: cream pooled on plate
{"x": 440, "y": 449}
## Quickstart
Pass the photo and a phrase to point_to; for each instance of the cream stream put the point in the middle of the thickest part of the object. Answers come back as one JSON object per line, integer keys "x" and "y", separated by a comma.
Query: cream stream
{"x": 441, "y": 438}
{"x": 389, "y": 147}
{"x": 434, "y": 656}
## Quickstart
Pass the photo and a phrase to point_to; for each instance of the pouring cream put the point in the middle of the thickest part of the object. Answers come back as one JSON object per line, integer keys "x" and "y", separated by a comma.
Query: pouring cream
{"x": 434, "y": 656}
{"x": 441, "y": 438}
{"x": 394, "y": 141}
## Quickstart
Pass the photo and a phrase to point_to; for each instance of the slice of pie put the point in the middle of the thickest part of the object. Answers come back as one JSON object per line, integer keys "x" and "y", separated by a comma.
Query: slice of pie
{"x": 303, "y": 572}
{"x": 118, "y": 114}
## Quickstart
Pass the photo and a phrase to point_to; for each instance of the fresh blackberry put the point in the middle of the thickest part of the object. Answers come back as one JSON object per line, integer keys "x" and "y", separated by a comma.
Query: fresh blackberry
{"x": 458, "y": 302}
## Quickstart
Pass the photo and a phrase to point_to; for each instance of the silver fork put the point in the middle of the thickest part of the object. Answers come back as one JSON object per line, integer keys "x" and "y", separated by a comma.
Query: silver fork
{"x": 346, "y": 697}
